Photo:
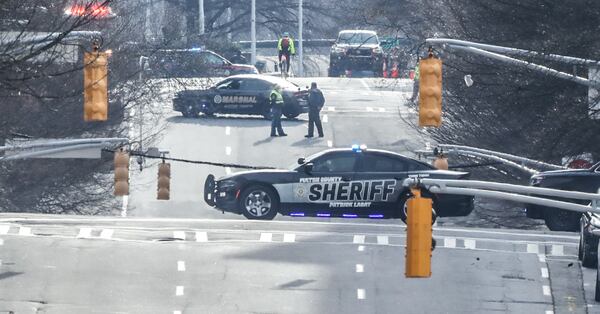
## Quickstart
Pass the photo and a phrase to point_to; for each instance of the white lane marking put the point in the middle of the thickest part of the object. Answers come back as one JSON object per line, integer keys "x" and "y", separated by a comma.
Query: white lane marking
{"x": 381, "y": 109}
{"x": 106, "y": 233}
{"x": 544, "y": 272}
{"x": 533, "y": 248}
{"x": 542, "y": 258}
{"x": 365, "y": 94}
{"x": 360, "y": 294}
{"x": 227, "y": 130}
{"x": 383, "y": 240}
{"x": 329, "y": 143}
{"x": 176, "y": 312}
{"x": 201, "y": 236}
{"x": 228, "y": 150}
{"x": 228, "y": 170}
{"x": 361, "y": 248}
{"x": 179, "y": 290}
{"x": 360, "y": 268}
{"x": 325, "y": 118}
{"x": 470, "y": 244}
{"x": 289, "y": 237}
{"x": 549, "y": 312}
{"x": 266, "y": 237}
{"x": 124, "y": 205}
{"x": 558, "y": 250}
{"x": 4, "y": 229}
{"x": 450, "y": 242}
{"x": 180, "y": 266}
{"x": 359, "y": 239}
{"x": 330, "y": 108}
{"x": 85, "y": 233}
{"x": 546, "y": 290}
{"x": 24, "y": 231}
{"x": 365, "y": 84}
{"x": 1, "y": 241}
{"x": 369, "y": 109}
{"x": 180, "y": 235}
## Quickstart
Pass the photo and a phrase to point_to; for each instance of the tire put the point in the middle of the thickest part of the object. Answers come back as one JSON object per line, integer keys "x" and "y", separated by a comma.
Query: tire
{"x": 190, "y": 112}
{"x": 561, "y": 220}
{"x": 259, "y": 202}
{"x": 291, "y": 114}
{"x": 404, "y": 209}
{"x": 597, "y": 294}
{"x": 587, "y": 249}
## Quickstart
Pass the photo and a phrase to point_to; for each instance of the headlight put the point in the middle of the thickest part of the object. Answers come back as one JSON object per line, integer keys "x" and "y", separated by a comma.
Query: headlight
{"x": 377, "y": 50}
{"x": 227, "y": 184}
{"x": 336, "y": 49}
{"x": 536, "y": 180}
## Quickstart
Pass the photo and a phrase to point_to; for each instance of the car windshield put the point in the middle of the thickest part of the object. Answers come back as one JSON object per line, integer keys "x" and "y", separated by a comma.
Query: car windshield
{"x": 358, "y": 39}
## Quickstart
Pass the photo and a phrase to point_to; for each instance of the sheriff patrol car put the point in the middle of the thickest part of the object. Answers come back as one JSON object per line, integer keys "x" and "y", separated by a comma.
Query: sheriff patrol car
{"x": 242, "y": 94}
{"x": 349, "y": 183}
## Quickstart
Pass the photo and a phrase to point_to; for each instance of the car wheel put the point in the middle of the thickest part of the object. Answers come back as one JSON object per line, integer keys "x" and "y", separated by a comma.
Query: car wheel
{"x": 597, "y": 294}
{"x": 291, "y": 114}
{"x": 587, "y": 249}
{"x": 190, "y": 112}
{"x": 561, "y": 220}
{"x": 404, "y": 206}
{"x": 259, "y": 202}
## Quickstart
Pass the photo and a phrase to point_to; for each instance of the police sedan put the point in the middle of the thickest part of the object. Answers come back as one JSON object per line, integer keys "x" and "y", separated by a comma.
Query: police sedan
{"x": 242, "y": 94}
{"x": 350, "y": 183}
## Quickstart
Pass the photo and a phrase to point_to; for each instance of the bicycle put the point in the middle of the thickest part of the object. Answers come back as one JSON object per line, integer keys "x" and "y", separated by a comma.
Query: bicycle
{"x": 283, "y": 66}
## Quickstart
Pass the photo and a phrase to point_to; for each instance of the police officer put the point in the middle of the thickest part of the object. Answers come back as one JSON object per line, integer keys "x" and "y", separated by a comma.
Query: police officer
{"x": 315, "y": 103}
{"x": 276, "y": 111}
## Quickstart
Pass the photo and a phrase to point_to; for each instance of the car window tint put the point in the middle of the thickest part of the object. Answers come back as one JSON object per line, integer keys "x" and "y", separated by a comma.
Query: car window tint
{"x": 224, "y": 84}
{"x": 383, "y": 163}
{"x": 251, "y": 84}
{"x": 335, "y": 163}
{"x": 416, "y": 166}
{"x": 210, "y": 58}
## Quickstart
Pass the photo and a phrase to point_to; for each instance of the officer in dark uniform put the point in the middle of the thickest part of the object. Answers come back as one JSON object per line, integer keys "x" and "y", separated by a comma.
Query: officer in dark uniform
{"x": 276, "y": 111}
{"x": 315, "y": 103}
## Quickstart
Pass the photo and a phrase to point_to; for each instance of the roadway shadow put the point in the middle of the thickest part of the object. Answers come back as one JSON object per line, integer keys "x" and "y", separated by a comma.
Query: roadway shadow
{"x": 308, "y": 141}
{"x": 9, "y": 274}
{"x": 264, "y": 141}
{"x": 229, "y": 120}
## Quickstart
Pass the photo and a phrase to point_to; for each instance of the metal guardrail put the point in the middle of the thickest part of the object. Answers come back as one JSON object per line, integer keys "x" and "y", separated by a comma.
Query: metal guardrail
{"x": 273, "y": 43}
{"x": 509, "y": 192}
{"x": 72, "y": 148}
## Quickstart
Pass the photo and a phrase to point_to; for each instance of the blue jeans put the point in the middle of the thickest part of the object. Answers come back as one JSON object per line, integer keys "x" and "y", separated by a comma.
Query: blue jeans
{"x": 276, "y": 121}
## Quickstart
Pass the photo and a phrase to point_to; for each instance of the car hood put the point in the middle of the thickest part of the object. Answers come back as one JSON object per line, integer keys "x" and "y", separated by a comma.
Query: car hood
{"x": 252, "y": 173}
{"x": 247, "y": 67}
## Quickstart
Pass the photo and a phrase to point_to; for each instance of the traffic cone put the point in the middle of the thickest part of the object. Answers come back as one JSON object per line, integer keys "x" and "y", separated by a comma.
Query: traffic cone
{"x": 395, "y": 71}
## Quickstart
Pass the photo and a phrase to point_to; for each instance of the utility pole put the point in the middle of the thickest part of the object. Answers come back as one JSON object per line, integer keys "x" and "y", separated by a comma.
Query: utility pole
{"x": 300, "y": 45}
{"x": 253, "y": 32}
{"x": 229, "y": 16}
{"x": 201, "y": 17}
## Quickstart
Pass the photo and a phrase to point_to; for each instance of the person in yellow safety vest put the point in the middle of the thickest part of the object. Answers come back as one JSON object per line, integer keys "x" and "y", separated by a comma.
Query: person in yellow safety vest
{"x": 285, "y": 46}
{"x": 276, "y": 101}
{"x": 415, "y": 92}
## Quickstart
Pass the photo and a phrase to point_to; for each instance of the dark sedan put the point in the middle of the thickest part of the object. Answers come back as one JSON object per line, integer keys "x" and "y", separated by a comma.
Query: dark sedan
{"x": 347, "y": 183}
{"x": 242, "y": 94}
{"x": 582, "y": 180}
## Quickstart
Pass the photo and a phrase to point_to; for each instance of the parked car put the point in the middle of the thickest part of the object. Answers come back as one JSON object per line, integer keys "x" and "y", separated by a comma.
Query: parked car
{"x": 187, "y": 63}
{"x": 357, "y": 50}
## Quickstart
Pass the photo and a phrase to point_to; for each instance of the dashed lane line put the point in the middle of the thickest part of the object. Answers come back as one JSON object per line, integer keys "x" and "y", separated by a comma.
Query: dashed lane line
{"x": 179, "y": 235}
{"x": 358, "y": 239}
{"x": 289, "y": 237}
{"x": 85, "y": 233}
{"x": 179, "y": 290}
{"x": 360, "y": 294}
{"x": 106, "y": 233}
{"x": 360, "y": 268}
{"x": 325, "y": 119}
{"x": 546, "y": 290}
{"x": 201, "y": 236}
{"x": 228, "y": 170}
{"x": 544, "y": 272}
{"x": 470, "y": 244}
{"x": 227, "y": 130}
{"x": 533, "y": 248}
{"x": 361, "y": 248}
{"x": 329, "y": 144}
{"x": 176, "y": 312}
{"x": 266, "y": 237}
{"x": 180, "y": 266}
{"x": 4, "y": 229}
{"x": 124, "y": 205}
{"x": 228, "y": 150}
{"x": 542, "y": 258}
{"x": 1, "y": 241}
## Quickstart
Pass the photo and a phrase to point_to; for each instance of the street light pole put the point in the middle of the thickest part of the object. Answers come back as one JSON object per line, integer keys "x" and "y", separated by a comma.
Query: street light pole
{"x": 300, "y": 44}
{"x": 201, "y": 17}
{"x": 143, "y": 59}
{"x": 253, "y": 31}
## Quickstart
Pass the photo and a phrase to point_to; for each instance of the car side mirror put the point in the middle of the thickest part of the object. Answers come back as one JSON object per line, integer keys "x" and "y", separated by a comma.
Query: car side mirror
{"x": 301, "y": 161}
{"x": 308, "y": 168}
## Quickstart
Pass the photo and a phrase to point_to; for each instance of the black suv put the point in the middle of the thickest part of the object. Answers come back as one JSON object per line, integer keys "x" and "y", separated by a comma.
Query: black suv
{"x": 356, "y": 50}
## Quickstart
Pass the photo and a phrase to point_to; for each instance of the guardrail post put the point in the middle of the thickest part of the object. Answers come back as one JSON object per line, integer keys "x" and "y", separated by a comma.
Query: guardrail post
{"x": 418, "y": 236}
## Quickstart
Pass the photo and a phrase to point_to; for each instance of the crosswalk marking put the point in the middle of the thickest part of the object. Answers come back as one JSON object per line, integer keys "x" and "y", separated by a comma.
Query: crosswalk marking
{"x": 450, "y": 242}
{"x": 470, "y": 244}
{"x": 4, "y": 229}
{"x": 106, "y": 233}
{"x": 360, "y": 268}
{"x": 180, "y": 266}
{"x": 558, "y": 250}
{"x": 359, "y": 239}
{"x": 532, "y": 248}
{"x": 201, "y": 236}
{"x": 546, "y": 290}
{"x": 544, "y": 272}
{"x": 179, "y": 235}
{"x": 85, "y": 233}
{"x": 369, "y": 109}
{"x": 289, "y": 237}
{"x": 383, "y": 240}
{"x": 266, "y": 237}
{"x": 179, "y": 290}
{"x": 360, "y": 294}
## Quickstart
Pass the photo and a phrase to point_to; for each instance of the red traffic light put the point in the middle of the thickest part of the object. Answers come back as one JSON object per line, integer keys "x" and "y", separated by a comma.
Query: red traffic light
{"x": 96, "y": 10}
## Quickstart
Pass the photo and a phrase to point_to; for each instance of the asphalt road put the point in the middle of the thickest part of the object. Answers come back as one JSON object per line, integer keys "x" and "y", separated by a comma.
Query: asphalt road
{"x": 154, "y": 265}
